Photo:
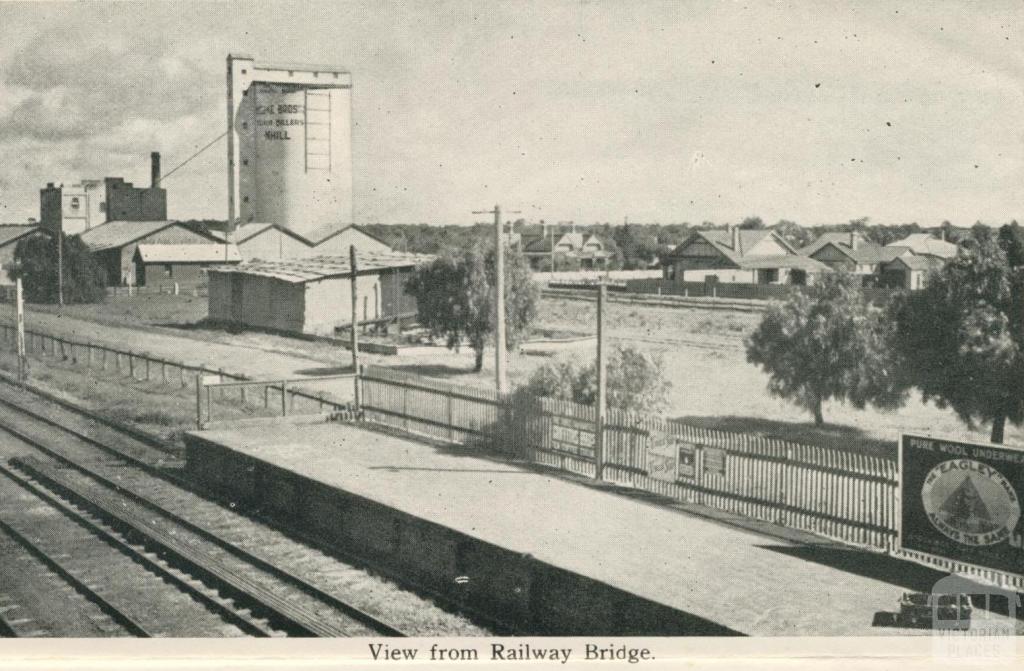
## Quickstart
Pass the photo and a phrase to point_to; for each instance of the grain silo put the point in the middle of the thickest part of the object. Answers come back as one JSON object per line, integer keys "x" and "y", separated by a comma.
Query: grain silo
{"x": 289, "y": 144}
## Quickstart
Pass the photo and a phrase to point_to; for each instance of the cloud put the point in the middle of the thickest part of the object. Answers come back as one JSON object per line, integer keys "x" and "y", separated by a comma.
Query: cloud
{"x": 72, "y": 89}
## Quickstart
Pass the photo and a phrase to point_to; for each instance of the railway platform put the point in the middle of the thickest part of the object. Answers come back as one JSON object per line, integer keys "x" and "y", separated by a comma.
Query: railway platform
{"x": 540, "y": 553}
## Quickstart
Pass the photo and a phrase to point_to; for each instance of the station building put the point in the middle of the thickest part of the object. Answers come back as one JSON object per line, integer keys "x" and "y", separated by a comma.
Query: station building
{"x": 312, "y": 295}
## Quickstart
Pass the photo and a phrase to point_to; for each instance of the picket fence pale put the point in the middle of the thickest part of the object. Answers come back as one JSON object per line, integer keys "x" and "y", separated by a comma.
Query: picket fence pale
{"x": 827, "y": 491}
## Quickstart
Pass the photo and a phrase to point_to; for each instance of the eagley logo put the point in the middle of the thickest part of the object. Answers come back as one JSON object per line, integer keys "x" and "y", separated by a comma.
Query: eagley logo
{"x": 970, "y": 502}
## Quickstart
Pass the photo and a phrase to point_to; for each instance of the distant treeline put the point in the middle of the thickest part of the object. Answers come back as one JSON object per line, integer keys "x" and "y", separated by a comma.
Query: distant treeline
{"x": 639, "y": 245}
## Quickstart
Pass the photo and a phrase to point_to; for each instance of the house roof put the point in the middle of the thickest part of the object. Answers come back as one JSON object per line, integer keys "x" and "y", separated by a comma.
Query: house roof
{"x": 722, "y": 241}
{"x": 13, "y": 232}
{"x": 541, "y": 244}
{"x": 793, "y": 261}
{"x": 915, "y": 262}
{"x": 115, "y": 234}
{"x": 924, "y": 243}
{"x": 188, "y": 253}
{"x": 865, "y": 252}
{"x": 315, "y": 268}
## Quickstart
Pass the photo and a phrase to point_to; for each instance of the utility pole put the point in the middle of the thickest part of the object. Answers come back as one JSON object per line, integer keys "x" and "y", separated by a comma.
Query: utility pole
{"x": 500, "y": 355}
{"x": 60, "y": 263}
{"x": 602, "y": 379}
{"x": 19, "y": 301}
{"x": 352, "y": 262}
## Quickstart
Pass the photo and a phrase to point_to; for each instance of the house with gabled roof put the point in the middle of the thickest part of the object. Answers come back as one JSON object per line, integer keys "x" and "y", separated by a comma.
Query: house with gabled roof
{"x": 564, "y": 251}
{"x": 755, "y": 256}
{"x": 925, "y": 244}
{"x": 853, "y": 253}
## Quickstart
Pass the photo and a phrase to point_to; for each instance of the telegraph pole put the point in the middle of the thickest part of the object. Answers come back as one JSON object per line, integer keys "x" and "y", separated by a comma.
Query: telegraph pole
{"x": 19, "y": 301}
{"x": 500, "y": 355}
{"x": 355, "y": 323}
{"x": 602, "y": 379}
{"x": 60, "y": 263}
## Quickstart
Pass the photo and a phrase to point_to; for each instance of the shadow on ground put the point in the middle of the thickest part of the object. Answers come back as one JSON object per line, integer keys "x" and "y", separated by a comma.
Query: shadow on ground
{"x": 434, "y": 370}
{"x": 326, "y": 370}
{"x": 827, "y": 435}
{"x": 894, "y": 571}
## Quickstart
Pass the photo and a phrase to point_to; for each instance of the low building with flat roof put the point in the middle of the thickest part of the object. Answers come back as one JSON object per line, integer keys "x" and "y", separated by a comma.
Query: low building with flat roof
{"x": 182, "y": 264}
{"x": 313, "y": 295}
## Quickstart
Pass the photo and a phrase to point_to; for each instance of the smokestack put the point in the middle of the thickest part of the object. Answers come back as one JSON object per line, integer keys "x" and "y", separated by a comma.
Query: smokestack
{"x": 154, "y": 170}
{"x": 853, "y": 240}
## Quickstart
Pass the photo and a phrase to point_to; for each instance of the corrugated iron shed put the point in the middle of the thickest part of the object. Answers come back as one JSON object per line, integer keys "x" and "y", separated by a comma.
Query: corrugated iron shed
{"x": 115, "y": 234}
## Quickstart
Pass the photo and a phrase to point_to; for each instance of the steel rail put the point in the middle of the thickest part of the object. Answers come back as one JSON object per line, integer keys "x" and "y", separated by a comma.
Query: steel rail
{"x": 280, "y": 573}
{"x": 122, "y": 546}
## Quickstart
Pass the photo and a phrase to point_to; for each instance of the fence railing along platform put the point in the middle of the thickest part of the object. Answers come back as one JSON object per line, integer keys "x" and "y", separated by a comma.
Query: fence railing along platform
{"x": 828, "y": 491}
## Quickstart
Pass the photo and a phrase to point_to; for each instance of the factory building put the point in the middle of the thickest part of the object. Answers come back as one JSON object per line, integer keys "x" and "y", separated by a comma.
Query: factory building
{"x": 272, "y": 242}
{"x": 114, "y": 244}
{"x": 289, "y": 144}
{"x": 312, "y": 295}
{"x": 77, "y": 208}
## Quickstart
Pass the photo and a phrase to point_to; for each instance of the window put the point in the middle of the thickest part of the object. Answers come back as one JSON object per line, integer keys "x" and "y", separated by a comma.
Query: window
{"x": 75, "y": 203}
{"x": 168, "y": 270}
{"x": 103, "y": 206}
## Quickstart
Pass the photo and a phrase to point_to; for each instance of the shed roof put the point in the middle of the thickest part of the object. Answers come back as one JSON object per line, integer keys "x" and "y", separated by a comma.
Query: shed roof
{"x": 13, "y": 232}
{"x": 115, "y": 234}
{"x": 322, "y": 267}
{"x": 188, "y": 253}
{"x": 320, "y": 235}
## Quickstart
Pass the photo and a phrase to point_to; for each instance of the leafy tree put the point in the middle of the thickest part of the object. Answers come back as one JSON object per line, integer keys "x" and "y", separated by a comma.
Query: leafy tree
{"x": 635, "y": 381}
{"x": 793, "y": 233}
{"x": 961, "y": 338}
{"x": 752, "y": 223}
{"x": 1011, "y": 239}
{"x": 823, "y": 343}
{"x": 35, "y": 258}
{"x": 455, "y": 298}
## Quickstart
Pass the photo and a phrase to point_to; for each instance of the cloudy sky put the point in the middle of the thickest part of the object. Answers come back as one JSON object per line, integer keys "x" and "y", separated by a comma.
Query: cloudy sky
{"x": 590, "y": 111}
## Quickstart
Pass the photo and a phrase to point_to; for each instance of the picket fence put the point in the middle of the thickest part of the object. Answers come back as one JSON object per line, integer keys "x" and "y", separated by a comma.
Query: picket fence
{"x": 832, "y": 492}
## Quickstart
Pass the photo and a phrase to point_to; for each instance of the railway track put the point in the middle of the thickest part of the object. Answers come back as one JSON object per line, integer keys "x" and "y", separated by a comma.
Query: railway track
{"x": 157, "y": 559}
{"x": 665, "y": 300}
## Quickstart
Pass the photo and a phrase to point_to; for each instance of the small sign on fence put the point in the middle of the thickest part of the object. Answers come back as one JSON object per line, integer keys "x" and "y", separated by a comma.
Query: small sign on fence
{"x": 662, "y": 457}
{"x": 962, "y": 501}
{"x": 714, "y": 461}
{"x": 573, "y": 436}
{"x": 687, "y": 460}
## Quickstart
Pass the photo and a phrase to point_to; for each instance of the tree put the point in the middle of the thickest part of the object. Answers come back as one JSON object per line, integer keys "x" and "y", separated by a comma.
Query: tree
{"x": 961, "y": 338}
{"x": 793, "y": 233}
{"x": 455, "y": 298}
{"x": 824, "y": 343}
{"x": 1011, "y": 239}
{"x": 35, "y": 258}
{"x": 635, "y": 381}
{"x": 751, "y": 223}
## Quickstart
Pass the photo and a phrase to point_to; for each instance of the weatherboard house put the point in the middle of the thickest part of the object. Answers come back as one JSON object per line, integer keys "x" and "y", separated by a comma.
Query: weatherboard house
{"x": 759, "y": 256}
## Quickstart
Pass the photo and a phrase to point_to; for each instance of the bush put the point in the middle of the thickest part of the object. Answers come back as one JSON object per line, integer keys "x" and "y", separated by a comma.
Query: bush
{"x": 635, "y": 381}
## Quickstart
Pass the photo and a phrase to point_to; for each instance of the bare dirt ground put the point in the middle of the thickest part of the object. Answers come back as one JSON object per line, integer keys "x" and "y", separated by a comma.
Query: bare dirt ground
{"x": 702, "y": 353}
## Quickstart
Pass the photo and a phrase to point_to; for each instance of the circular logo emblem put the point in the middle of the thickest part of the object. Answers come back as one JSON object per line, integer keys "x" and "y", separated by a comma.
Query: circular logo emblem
{"x": 970, "y": 502}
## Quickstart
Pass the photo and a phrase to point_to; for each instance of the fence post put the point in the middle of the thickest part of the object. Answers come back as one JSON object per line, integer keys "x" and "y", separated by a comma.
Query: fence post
{"x": 163, "y": 372}
{"x": 602, "y": 382}
{"x": 266, "y": 396}
{"x": 284, "y": 398}
{"x": 147, "y": 366}
{"x": 209, "y": 403}
{"x": 131, "y": 365}
{"x": 199, "y": 401}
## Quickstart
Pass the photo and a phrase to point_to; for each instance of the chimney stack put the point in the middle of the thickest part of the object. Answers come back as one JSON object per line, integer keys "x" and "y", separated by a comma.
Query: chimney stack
{"x": 154, "y": 172}
{"x": 853, "y": 239}
{"x": 735, "y": 233}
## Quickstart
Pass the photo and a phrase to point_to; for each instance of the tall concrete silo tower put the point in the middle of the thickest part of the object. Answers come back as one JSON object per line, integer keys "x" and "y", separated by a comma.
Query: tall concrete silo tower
{"x": 289, "y": 144}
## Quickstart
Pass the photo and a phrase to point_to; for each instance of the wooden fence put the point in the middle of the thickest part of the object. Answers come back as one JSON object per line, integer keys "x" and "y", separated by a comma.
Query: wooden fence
{"x": 736, "y": 290}
{"x": 828, "y": 491}
{"x": 145, "y": 367}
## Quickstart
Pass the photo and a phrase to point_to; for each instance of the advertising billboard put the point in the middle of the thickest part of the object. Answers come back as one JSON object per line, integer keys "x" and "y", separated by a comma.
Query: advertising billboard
{"x": 962, "y": 501}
